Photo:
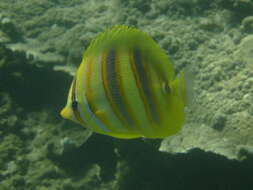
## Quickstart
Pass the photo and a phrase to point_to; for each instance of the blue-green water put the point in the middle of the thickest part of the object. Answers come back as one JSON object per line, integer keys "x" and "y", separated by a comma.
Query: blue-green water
{"x": 41, "y": 45}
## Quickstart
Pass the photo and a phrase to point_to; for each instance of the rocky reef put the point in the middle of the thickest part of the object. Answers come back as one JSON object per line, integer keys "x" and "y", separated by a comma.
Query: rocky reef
{"x": 41, "y": 44}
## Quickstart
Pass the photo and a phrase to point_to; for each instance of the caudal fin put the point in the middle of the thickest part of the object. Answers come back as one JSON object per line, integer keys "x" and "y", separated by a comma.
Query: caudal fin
{"x": 183, "y": 86}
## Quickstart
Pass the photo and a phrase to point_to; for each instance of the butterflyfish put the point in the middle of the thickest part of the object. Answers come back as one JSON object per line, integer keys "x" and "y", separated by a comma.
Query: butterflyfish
{"x": 126, "y": 87}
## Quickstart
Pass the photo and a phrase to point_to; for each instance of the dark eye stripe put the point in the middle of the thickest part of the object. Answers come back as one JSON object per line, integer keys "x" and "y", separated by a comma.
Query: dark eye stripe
{"x": 143, "y": 83}
{"x": 113, "y": 90}
{"x": 75, "y": 103}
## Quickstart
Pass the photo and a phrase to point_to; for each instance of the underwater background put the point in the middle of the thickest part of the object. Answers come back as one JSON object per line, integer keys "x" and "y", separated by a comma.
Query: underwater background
{"x": 41, "y": 45}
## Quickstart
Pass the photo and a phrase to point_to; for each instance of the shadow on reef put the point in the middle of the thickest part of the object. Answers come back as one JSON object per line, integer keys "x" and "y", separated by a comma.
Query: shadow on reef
{"x": 97, "y": 150}
{"x": 30, "y": 86}
{"x": 149, "y": 169}
{"x": 143, "y": 167}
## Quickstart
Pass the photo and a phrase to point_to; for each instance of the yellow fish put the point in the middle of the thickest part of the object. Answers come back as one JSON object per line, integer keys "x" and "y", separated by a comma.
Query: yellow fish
{"x": 126, "y": 88}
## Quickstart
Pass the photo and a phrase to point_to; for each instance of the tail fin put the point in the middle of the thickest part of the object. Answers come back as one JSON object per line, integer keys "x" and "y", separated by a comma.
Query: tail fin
{"x": 183, "y": 86}
{"x": 189, "y": 85}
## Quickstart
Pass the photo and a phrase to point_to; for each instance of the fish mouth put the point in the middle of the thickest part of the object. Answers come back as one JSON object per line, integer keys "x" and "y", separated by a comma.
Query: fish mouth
{"x": 65, "y": 113}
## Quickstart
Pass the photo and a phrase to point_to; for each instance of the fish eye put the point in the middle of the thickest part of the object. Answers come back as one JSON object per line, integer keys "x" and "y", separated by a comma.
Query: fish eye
{"x": 165, "y": 87}
{"x": 74, "y": 104}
